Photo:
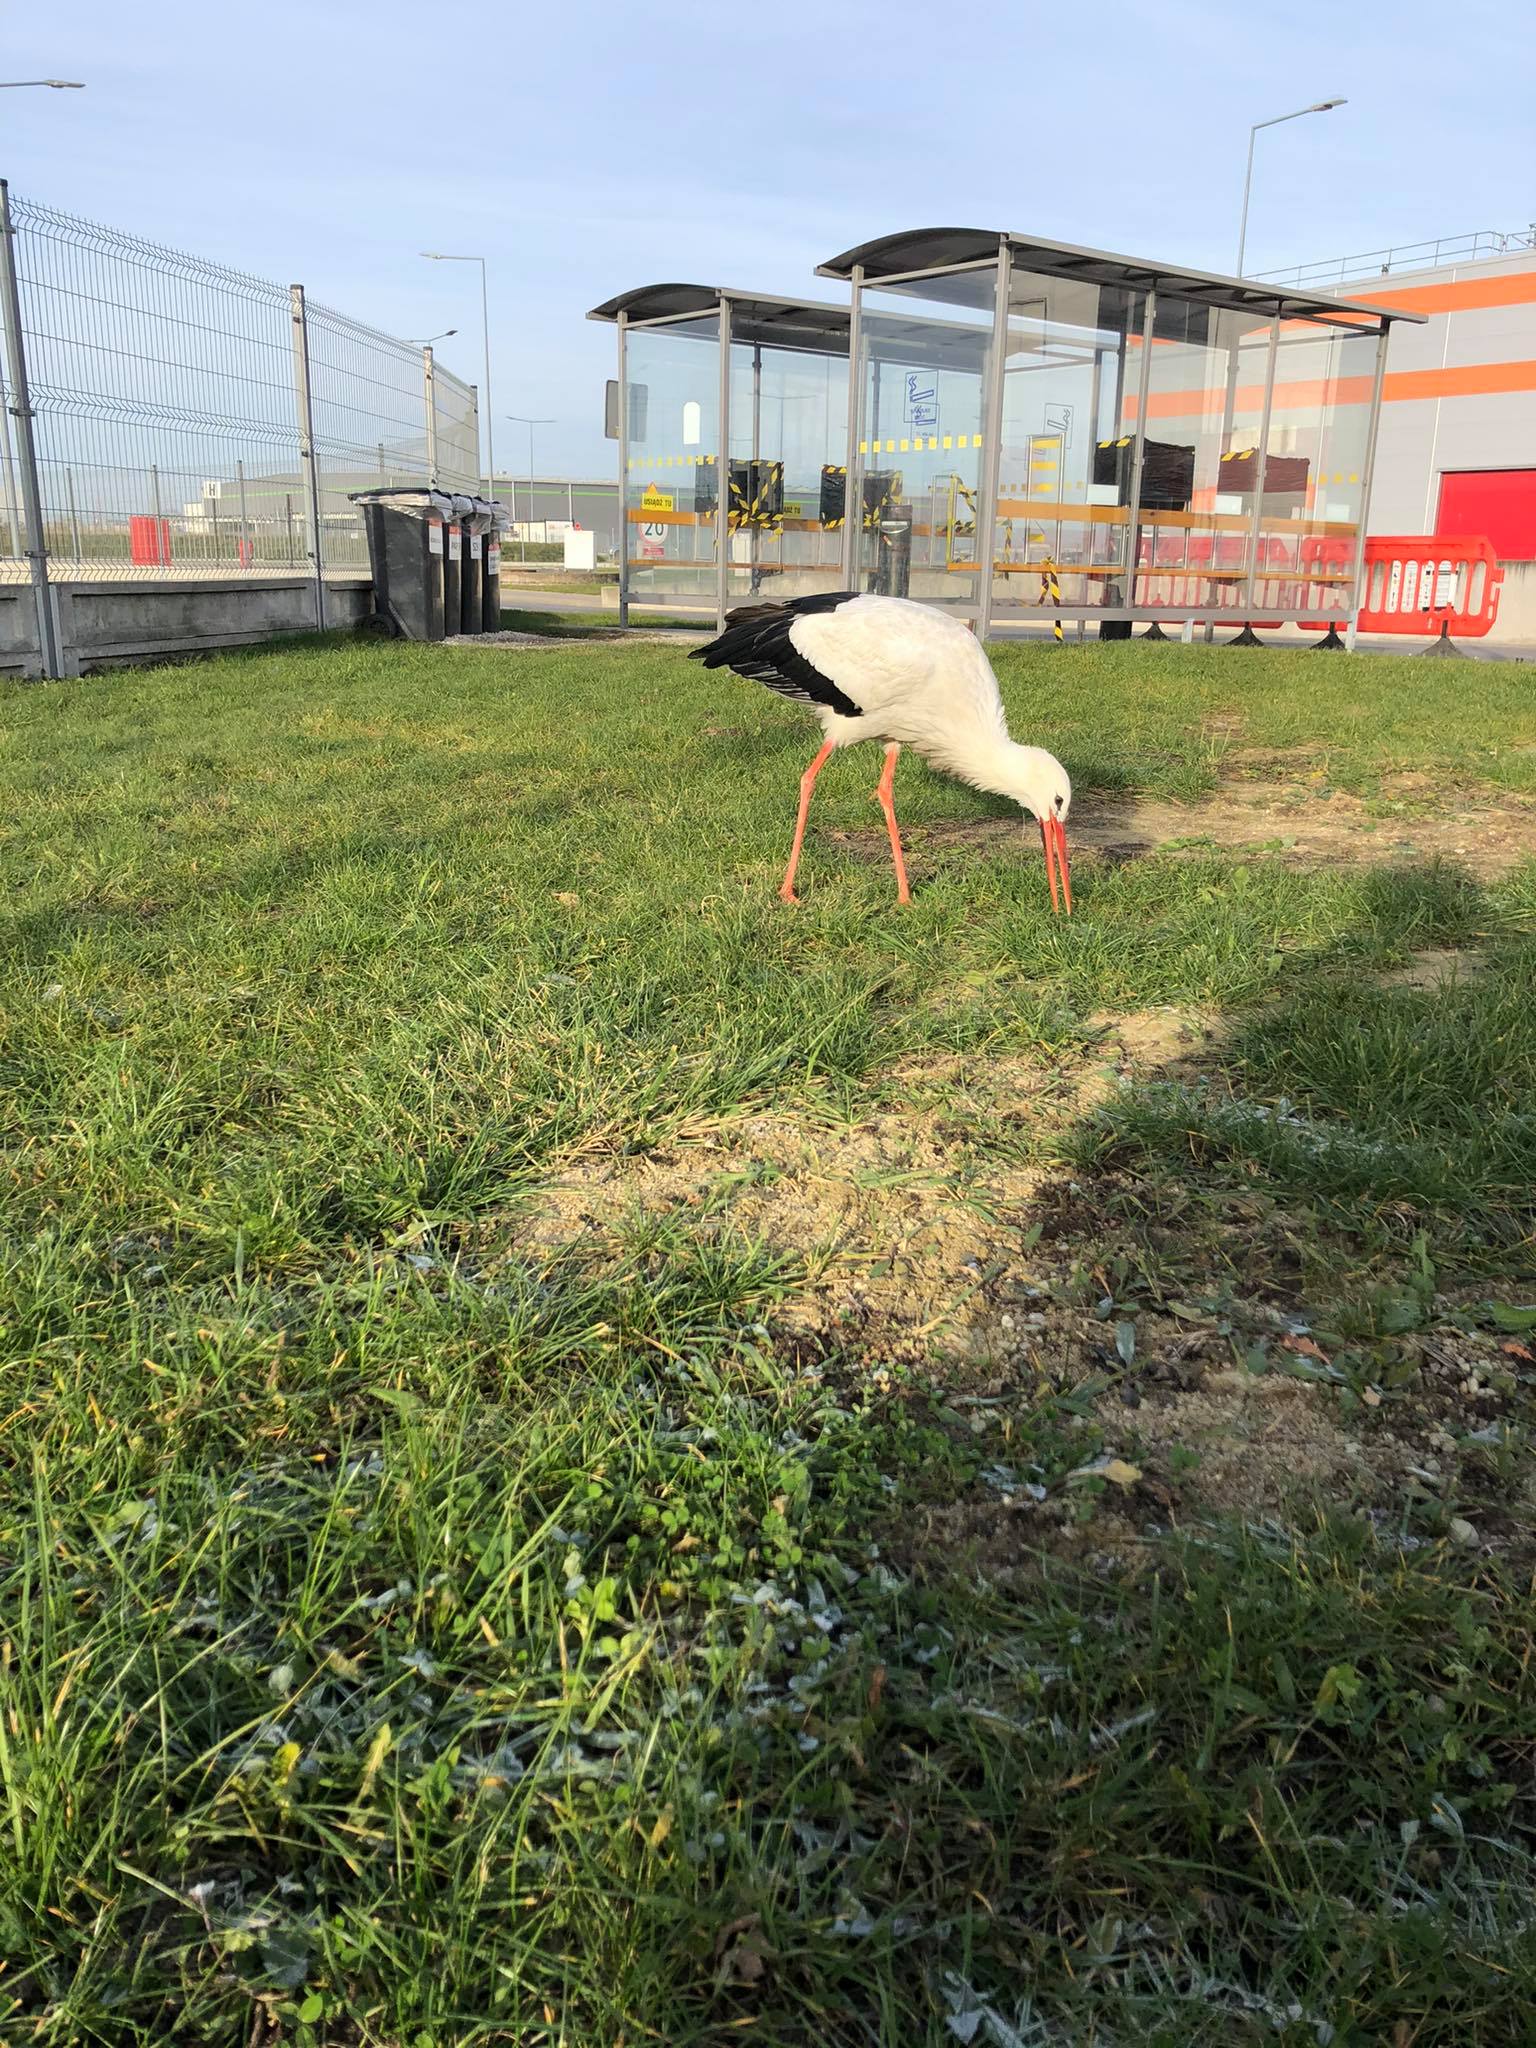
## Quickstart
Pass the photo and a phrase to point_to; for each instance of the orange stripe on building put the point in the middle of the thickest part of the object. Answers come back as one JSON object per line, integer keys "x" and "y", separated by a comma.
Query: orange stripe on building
{"x": 1516, "y": 288}
{"x": 1466, "y": 380}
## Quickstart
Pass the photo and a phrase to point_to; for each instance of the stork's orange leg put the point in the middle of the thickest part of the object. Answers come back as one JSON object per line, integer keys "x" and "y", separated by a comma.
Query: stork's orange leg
{"x": 807, "y": 784}
{"x": 887, "y": 804}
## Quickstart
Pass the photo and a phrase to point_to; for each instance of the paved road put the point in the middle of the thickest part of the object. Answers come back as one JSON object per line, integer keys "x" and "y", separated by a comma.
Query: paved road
{"x": 553, "y": 601}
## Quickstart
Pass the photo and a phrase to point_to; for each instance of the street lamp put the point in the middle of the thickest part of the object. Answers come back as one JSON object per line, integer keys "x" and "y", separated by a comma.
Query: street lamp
{"x": 58, "y": 84}
{"x": 438, "y": 256}
{"x": 522, "y": 420}
{"x": 1317, "y": 107}
{"x": 426, "y": 340}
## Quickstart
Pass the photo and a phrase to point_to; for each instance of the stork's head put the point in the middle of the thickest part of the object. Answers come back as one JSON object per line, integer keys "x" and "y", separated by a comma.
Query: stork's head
{"x": 1041, "y": 785}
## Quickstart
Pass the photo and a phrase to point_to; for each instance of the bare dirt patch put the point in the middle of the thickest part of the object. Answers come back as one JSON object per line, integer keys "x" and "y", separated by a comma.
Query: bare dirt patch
{"x": 906, "y": 1224}
{"x": 1434, "y": 965}
{"x": 1488, "y": 835}
{"x": 1238, "y": 1442}
{"x": 938, "y": 1243}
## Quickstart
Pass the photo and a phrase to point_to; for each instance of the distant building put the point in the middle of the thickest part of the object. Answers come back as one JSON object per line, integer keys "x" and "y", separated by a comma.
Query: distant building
{"x": 1456, "y": 452}
{"x": 545, "y": 509}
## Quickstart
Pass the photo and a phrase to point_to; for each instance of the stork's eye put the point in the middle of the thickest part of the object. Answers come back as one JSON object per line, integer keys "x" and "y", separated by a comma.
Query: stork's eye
{"x": 1058, "y": 803}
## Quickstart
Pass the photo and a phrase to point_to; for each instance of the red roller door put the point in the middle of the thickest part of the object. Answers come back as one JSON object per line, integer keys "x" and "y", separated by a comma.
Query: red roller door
{"x": 1499, "y": 504}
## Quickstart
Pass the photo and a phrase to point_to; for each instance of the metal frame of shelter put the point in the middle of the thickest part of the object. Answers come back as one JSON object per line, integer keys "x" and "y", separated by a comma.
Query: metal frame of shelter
{"x": 1123, "y": 572}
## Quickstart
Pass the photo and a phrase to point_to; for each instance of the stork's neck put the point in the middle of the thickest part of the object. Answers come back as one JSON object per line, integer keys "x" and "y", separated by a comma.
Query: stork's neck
{"x": 1001, "y": 766}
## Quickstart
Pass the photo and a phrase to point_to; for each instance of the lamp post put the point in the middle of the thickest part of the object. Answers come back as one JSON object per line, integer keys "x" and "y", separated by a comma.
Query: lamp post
{"x": 1317, "y": 107}
{"x": 439, "y": 256}
{"x": 522, "y": 420}
{"x": 426, "y": 340}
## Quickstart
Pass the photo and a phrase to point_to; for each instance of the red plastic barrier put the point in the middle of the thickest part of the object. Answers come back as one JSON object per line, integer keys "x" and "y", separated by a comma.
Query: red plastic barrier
{"x": 149, "y": 540}
{"x": 1429, "y": 586}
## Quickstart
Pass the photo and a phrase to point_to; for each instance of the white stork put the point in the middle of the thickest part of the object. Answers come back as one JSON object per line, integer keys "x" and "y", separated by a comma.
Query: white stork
{"x": 883, "y": 668}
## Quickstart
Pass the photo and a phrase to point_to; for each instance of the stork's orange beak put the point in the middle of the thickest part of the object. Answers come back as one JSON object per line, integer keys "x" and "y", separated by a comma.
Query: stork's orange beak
{"x": 1053, "y": 835}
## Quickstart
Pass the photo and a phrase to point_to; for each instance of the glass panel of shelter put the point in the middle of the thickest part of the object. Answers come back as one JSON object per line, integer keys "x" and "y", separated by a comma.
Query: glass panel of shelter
{"x": 673, "y": 453}
{"x": 1314, "y": 481}
{"x": 789, "y": 445}
{"x": 922, "y": 421}
{"x": 1071, "y": 380}
{"x": 1201, "y": 460}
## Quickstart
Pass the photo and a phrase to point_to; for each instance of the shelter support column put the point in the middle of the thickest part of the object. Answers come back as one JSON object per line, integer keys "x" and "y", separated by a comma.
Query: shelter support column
{"x": 1365, "y": 485}
{"x": 623, "y": 398}
{"x": 853, "y": 468}
{"x": 991, "y": 445}
{"x": 1260, "y": 465}
{"x": 723, "y": 483}
{"x": 1139, "y": 445}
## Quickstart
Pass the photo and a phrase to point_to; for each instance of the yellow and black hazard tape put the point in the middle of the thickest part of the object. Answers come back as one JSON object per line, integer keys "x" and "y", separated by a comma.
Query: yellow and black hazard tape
{"x": 1124, "y": 441}
{"x": 1050, "y": 592}
{"x": 753, "y": 512}
{"x": 964, "y": 527}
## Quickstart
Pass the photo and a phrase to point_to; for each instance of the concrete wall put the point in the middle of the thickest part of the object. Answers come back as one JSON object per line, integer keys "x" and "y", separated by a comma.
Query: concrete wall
{"x": 1421, "y": 438}
{"x": 105, "y": 623}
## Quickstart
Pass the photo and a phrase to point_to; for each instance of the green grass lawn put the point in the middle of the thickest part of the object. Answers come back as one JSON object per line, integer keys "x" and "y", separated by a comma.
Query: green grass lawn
{"x": 485, "y": 1557}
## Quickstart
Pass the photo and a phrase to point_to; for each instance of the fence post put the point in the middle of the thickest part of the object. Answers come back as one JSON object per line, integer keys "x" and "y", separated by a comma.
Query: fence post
{"x": 74, "y": 516}
{"x": 429, "y": 393}
{"x": 307, "y": 456}
{"x": 10, "y": 473}
{"x": 162, "y": 538}
{"x": 247, "y": 553}
{"x": 20, "y": 409}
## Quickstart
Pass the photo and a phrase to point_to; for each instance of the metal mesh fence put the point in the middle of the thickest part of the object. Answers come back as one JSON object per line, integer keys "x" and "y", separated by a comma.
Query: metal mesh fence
{"x": 167, "y": 419}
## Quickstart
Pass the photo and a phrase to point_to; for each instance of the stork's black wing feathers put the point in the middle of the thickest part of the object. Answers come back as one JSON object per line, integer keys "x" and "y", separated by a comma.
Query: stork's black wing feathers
{"x": 756, "y": 644}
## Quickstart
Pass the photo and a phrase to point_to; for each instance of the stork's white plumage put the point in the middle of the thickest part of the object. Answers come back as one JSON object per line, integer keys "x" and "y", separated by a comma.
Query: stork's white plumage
{"x": 883, "y": 668}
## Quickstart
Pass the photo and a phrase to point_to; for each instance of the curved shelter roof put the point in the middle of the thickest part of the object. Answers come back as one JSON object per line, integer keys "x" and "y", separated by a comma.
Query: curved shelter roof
{"x": 755, "y": 317}
{"x": 920, "y": 249}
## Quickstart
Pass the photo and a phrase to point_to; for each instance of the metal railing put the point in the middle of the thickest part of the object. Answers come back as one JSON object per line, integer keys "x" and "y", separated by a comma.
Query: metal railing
{"x": 1477, "y": 247}
{"x": 182, "y": 419}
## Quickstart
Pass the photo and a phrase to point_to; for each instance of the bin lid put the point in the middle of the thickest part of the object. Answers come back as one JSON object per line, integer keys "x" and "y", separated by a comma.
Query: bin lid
{"x": 423, "y": 498}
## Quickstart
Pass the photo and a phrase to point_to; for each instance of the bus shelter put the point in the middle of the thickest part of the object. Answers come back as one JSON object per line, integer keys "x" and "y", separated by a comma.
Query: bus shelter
{"x": 1108, "y": 438}
{"x": 1004, "y": 427}
{"x": 731, "y": 414}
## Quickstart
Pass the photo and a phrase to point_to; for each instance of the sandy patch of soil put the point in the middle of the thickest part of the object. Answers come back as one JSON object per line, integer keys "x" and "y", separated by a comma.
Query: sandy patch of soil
{"x": 1487, "y": 835}
{"x": 907, "y": 1228}
{"x": 940, "y": 1233}
{"x": 1434, "y": 965}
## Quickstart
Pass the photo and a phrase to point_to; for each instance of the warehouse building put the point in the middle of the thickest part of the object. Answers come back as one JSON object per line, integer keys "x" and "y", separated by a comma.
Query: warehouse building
{"x": 1456, "y": 449}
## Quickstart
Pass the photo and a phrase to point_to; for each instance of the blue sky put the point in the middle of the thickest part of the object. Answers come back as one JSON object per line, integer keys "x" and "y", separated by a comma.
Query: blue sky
{"x": 586, "y": 148}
